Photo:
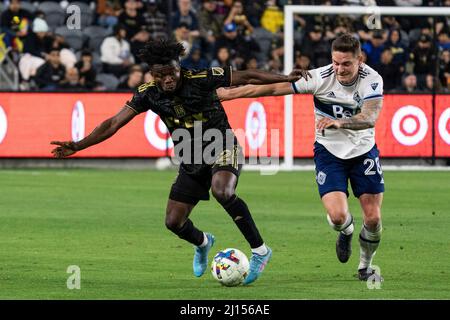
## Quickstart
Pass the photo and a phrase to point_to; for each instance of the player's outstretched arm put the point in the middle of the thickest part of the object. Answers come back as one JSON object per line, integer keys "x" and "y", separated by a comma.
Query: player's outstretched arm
{"x": 254, "y": 91}
{"x": 263, "y": 77}
{"x": 105, "y": 130}
{"x": 364, "y": 120}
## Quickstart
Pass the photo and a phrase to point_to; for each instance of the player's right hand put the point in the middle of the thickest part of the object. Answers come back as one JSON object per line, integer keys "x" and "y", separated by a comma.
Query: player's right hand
{"x": 297, "y": 74}
{"x": 65, "y": 149}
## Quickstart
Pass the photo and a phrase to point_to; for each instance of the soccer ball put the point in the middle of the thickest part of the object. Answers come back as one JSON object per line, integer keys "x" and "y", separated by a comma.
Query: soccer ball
{"x": 230, "y": 267}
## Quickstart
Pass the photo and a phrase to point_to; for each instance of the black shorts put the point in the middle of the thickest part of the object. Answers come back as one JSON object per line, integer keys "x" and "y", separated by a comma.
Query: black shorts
{"x": 193, "y": 186}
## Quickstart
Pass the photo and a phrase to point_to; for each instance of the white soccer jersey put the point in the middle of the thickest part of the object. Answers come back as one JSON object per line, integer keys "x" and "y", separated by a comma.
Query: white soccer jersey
{"x": 335, "y": 100}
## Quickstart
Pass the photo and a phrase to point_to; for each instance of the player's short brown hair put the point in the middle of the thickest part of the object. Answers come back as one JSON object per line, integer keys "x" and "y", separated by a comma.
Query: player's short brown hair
{"x": 346, "y": 43}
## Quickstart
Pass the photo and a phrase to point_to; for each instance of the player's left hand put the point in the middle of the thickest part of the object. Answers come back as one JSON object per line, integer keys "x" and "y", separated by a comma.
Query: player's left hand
{"x": 297, "y": 74}
{"x": 327, "y": 123}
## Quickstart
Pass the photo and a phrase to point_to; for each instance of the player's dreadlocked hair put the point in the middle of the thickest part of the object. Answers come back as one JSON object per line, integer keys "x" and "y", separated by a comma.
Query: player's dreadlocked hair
{"x": 161, "y": 52}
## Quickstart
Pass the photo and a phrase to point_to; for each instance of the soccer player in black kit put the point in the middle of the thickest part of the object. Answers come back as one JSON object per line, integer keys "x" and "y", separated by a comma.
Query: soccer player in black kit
{"x": 185, "y": 99}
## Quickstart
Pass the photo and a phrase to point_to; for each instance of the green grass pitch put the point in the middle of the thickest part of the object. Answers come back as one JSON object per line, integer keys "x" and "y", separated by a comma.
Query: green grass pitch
{"x": 111, "y": 225}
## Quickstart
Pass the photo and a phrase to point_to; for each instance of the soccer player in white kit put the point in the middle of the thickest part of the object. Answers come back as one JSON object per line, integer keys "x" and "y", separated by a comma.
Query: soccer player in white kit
{"x": 348, "y": 96}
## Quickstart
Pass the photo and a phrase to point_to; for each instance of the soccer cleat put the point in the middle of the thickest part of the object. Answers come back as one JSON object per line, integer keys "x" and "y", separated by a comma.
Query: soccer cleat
{"x": 344, "y": 247}
{"x": 369, "y": 274}
{"x": 201, "y": 256}
{"x": 257, "y": 265}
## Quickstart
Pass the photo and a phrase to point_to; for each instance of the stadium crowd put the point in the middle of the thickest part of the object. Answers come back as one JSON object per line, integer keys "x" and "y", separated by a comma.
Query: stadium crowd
{"x": 57, "y": 50}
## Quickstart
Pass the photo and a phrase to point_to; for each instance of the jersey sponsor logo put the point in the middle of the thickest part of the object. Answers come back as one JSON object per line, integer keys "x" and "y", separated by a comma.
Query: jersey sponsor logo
{"x": 443, "y": 126}
{"x": 331, "y": 95}
{"x": 156, "y": 132}
{"x": 217, "y": 71}
{"x": 3, "y": 124}
{"x": 374, "y": 86}
{"x": 255, "y": 125}
{"x": 321, "y": 177}
{"x": 409, "y": 125}
{"x": 333, "y": 110}
{"x": 78, "y": 121}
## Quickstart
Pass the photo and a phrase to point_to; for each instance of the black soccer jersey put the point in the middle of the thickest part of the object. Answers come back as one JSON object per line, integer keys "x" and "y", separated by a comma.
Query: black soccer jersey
{"x": 195, "y": 100}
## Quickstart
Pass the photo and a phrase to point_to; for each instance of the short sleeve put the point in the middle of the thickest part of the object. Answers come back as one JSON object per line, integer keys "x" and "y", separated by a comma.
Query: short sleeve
{"x": 219, "y": 77}
{"x": 310, "y": 86}
{"x": 140, "y": 102}
{"x": 373, "y": 88}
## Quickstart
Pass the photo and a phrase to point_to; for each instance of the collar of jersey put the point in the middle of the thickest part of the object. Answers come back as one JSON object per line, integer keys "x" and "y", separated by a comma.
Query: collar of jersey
{"x": 350, "y": 84}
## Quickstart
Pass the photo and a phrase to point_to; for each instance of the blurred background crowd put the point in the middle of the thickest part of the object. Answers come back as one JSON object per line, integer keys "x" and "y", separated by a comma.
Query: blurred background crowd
{"x": 94, "y": 45}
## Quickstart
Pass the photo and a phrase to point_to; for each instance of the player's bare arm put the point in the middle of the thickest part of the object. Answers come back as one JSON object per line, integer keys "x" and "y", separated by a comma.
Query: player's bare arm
{"x": 364, "y": 120}
{"x": 264, "y": 77}
{"x": 102, "y": 132}
{"x": 254, "y": 91}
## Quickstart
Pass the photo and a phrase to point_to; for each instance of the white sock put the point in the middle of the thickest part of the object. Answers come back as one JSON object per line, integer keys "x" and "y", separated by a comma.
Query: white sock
{"x": 369, "y": 242}
{"x": 346, "y": 228}
{"x": 205, "y": 241}
{"x": 261, "y": 250}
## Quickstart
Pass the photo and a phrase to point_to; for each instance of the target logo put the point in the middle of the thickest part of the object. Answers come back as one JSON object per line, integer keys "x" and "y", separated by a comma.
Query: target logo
{"x": 409, "y": 125}
{"x": 255, "y": 125}
{"x": 3, "y": 124}
{"x": 78, "y": 121}
{"x": 156, "y": 132}
{"x": 444, "y": 126}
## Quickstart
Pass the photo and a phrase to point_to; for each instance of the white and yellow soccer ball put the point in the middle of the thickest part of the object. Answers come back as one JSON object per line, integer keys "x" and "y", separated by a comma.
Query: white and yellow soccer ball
{"x": 230, "y": 267}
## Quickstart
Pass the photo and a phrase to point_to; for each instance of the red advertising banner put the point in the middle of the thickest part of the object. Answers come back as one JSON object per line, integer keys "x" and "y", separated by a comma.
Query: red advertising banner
{"x": 29, "y": 121}
{"x": 442, "y": 124}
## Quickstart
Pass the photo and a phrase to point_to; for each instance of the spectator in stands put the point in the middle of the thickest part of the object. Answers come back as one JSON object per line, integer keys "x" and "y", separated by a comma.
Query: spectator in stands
{"x": 240, "y": 48}
{"x": 131, "y": 19}
{"x": 389, "y": 71}
{"x": 302, "y": 61}
{"x": 272, "y": 18}
{"x": 222, "y": 59}
{"x": 134, "y": 23}
{"x": 155, "y": 21}
{"x": 72, "y": 81}
{"x": 238, "y": 17}
{"x": 86, "y": 70}
{"x": 409, "y": 84}
{"x": 251, "y": 64}
{"x": 15, "y": 20}
{"x": 50, "y": 76}
{"x": 374, "y": 48}
{"x": 37, "y": 44}
{"x": 210, "y": 25}
{"x": 317, "y": 47}
{"x": 432, "y": 82}
{"x": 195, "y": 61}
{"x": 444, "y": 69}
{"x": 183, "y": 35}
{"x": 185, "y": 15}
{"x": 444, "y": 40}
{"x": 39, "y": 40}
{"x": 66, "y": 55}
{"x": 115, "y": 53}
{"x": 108, "y": 12}
{"x": 398, "y": 49}
{"x": 423, "y": 56}
{"x": 135, "y": 79}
